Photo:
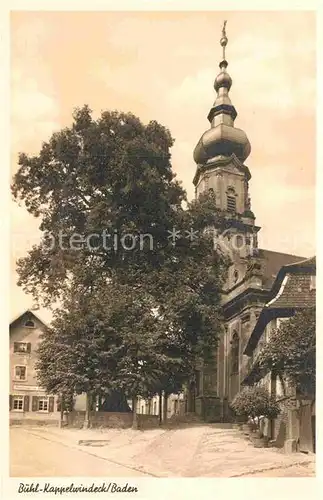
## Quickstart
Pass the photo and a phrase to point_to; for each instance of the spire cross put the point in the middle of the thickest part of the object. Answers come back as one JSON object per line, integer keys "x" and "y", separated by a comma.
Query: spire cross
{"x": 224, "y": 40}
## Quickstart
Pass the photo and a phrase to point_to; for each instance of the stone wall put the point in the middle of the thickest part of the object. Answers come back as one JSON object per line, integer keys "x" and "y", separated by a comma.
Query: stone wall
{"x": 111, "y": 420}
{"x": 35, "y": 421}
{"x": 147, "y": 421}
{"x": 34, "y": 418}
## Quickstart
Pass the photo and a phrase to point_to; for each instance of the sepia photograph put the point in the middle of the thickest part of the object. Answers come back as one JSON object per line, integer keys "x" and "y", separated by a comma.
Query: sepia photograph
{"x": 163, "y": 253}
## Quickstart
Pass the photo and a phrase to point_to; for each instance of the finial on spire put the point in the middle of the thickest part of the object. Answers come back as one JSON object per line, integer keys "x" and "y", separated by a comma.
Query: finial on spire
{"x": 224, "y": 39}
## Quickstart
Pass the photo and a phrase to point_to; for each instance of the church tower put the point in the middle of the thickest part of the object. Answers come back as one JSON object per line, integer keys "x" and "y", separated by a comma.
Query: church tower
{"x": 220, "y": 155}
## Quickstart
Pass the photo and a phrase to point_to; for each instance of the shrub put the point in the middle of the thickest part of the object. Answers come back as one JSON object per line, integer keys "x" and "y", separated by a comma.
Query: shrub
{"x": 255, "y": 402}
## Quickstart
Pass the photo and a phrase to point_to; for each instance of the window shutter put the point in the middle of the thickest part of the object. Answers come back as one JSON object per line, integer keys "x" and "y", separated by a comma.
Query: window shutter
{"x": 34, "y": 403}
{"x": 51, "y": 404}
{"x": 26, "y": 403}
{"x": 28, "y": 347}
{"x": 231, "y": 203}
{"x": 10, "y": 402}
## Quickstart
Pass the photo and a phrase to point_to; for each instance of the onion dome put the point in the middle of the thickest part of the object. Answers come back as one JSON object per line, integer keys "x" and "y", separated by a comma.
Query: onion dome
{"x": 222, "y": 139}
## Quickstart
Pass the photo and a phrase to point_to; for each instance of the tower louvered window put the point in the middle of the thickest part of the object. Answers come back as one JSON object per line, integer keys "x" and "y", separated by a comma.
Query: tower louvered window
{"x": 231, "y": 200}
{"x": 231, "y": 203}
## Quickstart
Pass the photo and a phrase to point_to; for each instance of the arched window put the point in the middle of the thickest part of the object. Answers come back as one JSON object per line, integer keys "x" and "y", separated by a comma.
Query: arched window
{"x": 212, "y": 194}
{"x": 231, "y": 200}
{"x": 30, "y": 324}
{"x": 235, "y": 353}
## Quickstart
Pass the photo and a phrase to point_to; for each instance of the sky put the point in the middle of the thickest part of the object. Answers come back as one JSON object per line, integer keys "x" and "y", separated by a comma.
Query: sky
{"x": 161, "y": 66}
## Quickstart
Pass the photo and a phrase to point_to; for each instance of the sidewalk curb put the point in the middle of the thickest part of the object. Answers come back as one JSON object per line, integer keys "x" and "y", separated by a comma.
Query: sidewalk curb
{"x": 280, "y": 467}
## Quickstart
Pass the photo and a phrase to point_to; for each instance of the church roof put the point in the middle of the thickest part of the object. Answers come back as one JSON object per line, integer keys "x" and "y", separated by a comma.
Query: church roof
{"x": 272, "y": 262}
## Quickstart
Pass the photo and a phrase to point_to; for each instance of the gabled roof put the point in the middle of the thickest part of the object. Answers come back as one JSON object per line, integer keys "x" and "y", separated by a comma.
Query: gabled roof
{"x": 30, "y": 314}
{"x": 290, "y": 291}
{"x": 305, "y": 267}
{"x": 272, "y": 262}
{"x": 309, "y": 263}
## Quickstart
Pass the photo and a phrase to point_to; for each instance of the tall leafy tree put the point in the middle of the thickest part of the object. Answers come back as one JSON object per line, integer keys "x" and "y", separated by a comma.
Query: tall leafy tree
{"x": 291, "y": 351}
{"x": 92, "y": 347}
{"x": 100, "y": 179}
{"x": 138, "y": 276}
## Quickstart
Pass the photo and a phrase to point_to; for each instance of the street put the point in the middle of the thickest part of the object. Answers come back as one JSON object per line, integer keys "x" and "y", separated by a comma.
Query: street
{"x": 187, "y": 451}
{"x": 37, "y": 456}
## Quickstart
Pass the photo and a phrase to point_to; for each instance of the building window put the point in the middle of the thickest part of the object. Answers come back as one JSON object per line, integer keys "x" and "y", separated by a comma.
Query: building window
{"x": 235, "y": 353}
{"x": 30, "y": 324}
{"x": 18, "y": 403}
{"x": 21, "y": 347}
{"x": 239, "y": 241}
{"x": 245, "y": 319}
{"x": 175, "y": 406}
{"x": 142, "y": 409}
{"x": 155, "y": 408}
{"x": 43, "y": 404}
{"x": 209, "y": 382}
{"x": 20, "y": 372}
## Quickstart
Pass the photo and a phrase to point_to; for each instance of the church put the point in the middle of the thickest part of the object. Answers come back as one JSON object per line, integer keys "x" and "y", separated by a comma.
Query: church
{"x": 220, "y": 156}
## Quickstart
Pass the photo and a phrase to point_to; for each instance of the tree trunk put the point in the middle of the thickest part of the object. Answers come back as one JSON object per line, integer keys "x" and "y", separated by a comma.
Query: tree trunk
{"x": 86, "y": 424}
{"x": 190, "y": 397}
{"x": 134, "y": 413}
{"x": 165, "y": 407}
{"x": 116, "y": 401}
{"x": 160, "y": 401}
{"x": 62, "y": 411}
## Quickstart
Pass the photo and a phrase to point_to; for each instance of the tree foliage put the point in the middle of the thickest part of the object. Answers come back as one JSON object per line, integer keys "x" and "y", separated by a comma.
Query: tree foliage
{"x": 131, "y": 320}
{"x": 255, "y": 402}
{"x": 112, "y": 173}
{"x": 291, "y": 351}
